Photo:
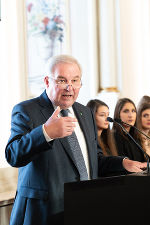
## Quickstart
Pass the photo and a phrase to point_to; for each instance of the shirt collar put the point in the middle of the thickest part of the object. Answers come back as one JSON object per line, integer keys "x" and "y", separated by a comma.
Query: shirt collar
{"x": 70, "y": 110}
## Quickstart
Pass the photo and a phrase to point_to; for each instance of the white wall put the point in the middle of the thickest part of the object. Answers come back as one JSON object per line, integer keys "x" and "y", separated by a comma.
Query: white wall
{"x": 12, "y": 61}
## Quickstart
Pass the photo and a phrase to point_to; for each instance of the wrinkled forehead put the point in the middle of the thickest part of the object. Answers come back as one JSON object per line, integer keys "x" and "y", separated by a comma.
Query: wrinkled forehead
{"x": 66, "y": 70}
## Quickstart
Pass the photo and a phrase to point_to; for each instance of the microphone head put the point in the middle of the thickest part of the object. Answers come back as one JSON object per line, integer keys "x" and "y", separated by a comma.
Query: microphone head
{"x": 110, "y": 119}
{"x": 118, "y": 120}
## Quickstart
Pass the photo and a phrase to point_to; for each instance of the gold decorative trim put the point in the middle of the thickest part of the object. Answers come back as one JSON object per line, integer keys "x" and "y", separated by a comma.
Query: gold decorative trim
{"x": 109, "y": 89}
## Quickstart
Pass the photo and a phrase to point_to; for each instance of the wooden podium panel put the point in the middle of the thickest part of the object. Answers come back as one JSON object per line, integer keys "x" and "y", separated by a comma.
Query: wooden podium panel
{"x": 120, "y": 200}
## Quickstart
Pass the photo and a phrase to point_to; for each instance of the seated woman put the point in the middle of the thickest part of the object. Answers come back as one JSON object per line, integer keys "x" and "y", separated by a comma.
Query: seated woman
{"x": 143, "y": 123}
{"x": 126, "y": 111}
{"x": 101, "y": 112}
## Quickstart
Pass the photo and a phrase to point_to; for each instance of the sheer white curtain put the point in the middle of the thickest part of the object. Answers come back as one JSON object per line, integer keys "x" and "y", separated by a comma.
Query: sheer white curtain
{"x": 12, "y": 66}
{"x": 83, "y": 35}
{"x": 135, "y": 45}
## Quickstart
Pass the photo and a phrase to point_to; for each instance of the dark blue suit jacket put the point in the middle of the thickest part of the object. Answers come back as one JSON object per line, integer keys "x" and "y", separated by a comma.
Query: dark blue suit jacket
{"x": 45, "y": 167}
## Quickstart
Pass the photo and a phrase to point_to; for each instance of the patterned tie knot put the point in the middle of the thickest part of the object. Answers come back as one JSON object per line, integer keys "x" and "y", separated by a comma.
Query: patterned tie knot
{"x": 65, "y": 112}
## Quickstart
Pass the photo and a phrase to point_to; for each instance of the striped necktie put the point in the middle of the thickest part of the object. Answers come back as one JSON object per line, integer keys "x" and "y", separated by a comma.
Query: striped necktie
{"x": 76, "y": 151}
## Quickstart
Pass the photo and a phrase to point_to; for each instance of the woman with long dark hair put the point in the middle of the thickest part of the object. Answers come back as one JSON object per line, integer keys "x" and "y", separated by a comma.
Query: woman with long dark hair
{"x": 101, "y": 112}
{"x": 144, "y": 99}
{"x": 126, "y": 111}
{"x": 143, "y": 123}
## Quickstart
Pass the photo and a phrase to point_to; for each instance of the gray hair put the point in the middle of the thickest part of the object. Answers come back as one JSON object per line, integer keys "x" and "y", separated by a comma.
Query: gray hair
{"x": 54, "y": 61}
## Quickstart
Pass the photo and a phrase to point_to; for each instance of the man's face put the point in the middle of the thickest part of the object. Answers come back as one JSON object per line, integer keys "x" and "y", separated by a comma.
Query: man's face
{"x": 66, "y": 96}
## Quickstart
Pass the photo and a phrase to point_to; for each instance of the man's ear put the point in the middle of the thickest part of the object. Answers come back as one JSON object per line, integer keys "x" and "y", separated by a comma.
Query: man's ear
{"x": 46, "y": 81}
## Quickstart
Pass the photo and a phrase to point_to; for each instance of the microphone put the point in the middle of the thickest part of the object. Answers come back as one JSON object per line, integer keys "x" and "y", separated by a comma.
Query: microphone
{"x": 110, "y": 119}
{"x": 121, "y": 122}
{"x": 118, "y": 122}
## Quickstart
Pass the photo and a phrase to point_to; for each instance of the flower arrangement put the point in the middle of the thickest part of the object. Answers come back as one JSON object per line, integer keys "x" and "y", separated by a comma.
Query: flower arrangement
{"x": 45, "y": 18}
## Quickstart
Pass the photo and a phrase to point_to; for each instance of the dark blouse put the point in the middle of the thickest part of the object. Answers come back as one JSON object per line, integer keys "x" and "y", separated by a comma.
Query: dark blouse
{"x": 126, "y": 147}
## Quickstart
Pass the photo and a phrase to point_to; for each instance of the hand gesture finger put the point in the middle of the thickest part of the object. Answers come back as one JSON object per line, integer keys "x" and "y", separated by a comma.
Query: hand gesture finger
{"x": 59, "y": 127}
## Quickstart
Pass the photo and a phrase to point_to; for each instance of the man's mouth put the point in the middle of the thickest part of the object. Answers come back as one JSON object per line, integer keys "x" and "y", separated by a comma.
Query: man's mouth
{"x": 67, "y": 96}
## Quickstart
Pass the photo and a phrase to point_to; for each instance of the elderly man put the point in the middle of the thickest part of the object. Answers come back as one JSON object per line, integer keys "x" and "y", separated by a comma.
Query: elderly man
{"x": 54, "y": 140}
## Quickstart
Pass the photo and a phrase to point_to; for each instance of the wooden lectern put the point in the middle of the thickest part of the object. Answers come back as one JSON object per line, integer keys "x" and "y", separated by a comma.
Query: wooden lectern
{"x": 118, "y": 200}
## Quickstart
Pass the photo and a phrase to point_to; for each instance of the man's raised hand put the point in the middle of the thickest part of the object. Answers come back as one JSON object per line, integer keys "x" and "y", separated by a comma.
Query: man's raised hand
{"x": 59, "y": 127}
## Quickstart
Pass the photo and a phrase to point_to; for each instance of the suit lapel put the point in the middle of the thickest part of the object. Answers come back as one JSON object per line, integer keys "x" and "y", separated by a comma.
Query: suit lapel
{"x": 68, "y": 151}
{"x": 47, "y": 108}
